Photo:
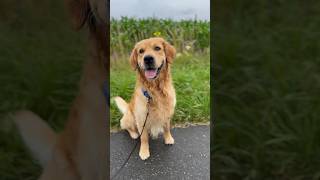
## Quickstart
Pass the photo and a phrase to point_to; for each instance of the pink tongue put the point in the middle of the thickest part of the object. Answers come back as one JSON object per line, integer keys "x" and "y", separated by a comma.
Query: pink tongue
{"x": 150, "y": 74}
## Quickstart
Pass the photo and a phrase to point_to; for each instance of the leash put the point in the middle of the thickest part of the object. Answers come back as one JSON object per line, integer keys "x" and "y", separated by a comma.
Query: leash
{"x": 147, "y": 95}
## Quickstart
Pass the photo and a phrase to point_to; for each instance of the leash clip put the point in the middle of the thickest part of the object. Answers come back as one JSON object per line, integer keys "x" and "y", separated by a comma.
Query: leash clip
{"x": 146, "y": 94}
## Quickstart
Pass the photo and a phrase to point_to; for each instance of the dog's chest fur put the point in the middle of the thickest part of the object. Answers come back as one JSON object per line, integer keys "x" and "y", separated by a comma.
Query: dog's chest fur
{"x": 161, "y": 109}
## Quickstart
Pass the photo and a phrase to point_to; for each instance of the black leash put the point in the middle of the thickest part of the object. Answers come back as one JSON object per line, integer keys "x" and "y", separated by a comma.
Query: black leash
{"x": 146, "y": 94}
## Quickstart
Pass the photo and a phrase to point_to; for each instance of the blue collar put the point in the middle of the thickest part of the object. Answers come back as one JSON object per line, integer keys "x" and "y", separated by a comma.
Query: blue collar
{"x": 146, "y": 94}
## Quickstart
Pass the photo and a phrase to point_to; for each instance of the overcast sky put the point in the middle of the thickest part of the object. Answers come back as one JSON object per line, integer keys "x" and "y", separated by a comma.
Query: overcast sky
{"x": 174, "y": 9}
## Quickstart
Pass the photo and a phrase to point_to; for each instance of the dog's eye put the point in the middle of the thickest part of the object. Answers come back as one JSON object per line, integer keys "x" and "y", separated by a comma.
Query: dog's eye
{"x": 157, "y": 48}
{"x": 141, "y": 51}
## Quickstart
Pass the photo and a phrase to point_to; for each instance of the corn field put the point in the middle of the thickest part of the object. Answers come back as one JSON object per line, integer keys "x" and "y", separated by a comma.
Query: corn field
{"x": 185, "y": 35}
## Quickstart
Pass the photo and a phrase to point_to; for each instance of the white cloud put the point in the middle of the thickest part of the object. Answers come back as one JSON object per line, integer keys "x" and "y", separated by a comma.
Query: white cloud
{"x": 174, "y": 9}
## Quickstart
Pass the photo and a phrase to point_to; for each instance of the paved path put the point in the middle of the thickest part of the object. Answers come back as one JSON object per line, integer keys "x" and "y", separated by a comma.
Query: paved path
{"x": 188, "y": 158}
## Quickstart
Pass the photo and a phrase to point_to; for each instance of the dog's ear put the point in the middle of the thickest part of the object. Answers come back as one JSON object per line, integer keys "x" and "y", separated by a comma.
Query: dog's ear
{"x": 170, "y": 51}
{"x": 134, "y": 58}
{"x": 79, "y": 11}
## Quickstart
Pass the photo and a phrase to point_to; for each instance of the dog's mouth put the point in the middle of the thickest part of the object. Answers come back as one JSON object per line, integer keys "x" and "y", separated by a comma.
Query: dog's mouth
{"x": 152, "y": 73}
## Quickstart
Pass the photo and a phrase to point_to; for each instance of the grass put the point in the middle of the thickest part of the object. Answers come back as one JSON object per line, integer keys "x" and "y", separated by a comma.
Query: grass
{"x": 266, "y": 90}
{"x": 191, "y": 80}
{"x": 192, "y": 33}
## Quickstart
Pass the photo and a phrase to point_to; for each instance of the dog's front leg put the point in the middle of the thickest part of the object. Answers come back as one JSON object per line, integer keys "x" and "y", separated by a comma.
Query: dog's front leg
{"x": 144, "y": 147}
{"x": 168, "y": 139}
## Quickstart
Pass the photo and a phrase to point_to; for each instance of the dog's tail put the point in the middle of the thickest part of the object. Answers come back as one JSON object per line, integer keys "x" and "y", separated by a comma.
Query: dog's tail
{"x": 122, "y": 104}
{"x": 38, "y": 136}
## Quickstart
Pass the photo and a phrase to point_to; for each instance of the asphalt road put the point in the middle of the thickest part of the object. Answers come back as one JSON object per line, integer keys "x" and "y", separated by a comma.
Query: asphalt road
{"x": 188, "y": 158}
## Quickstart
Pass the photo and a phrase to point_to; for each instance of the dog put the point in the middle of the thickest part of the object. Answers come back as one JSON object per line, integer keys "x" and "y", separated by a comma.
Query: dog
{"x": 80, "y": 151}
{"x": 154, "y": 96}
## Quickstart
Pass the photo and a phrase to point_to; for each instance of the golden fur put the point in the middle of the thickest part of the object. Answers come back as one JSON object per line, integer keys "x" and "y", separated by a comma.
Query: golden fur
{"x": 161, "y": 107}
{"x": 80, "y": 151}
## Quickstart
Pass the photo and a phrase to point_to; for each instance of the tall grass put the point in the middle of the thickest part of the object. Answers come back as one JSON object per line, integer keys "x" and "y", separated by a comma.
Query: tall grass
{"x": 267, "y": 83}
{"x": 127, "y": 31}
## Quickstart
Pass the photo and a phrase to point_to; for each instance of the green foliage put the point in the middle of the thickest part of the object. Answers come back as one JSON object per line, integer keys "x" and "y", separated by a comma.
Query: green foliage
{"x": 266, "y": 90}
{"x": 127, "y": 31}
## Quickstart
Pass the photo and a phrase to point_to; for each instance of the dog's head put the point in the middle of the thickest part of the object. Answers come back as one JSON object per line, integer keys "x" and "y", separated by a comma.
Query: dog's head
{"x": 151, "y": 55}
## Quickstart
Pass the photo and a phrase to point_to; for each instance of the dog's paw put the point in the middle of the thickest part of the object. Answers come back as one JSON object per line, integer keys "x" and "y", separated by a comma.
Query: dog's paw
{"x": 169, "y": 140}
{"x": 144, "y": 154}
{"x": 133, "y": 135}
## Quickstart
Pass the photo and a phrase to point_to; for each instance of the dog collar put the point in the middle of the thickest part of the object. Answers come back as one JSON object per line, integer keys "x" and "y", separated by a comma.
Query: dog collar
{"x": 146, "y": 94}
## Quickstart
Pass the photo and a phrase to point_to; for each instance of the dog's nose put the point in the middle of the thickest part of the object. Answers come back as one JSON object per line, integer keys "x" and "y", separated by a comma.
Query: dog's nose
{"x": 148, "y": 60}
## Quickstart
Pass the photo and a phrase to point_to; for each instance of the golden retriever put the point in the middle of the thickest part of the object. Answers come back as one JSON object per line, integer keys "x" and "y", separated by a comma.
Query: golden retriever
{"x": 152, "y": 59}
{"x": 80, "y": 151}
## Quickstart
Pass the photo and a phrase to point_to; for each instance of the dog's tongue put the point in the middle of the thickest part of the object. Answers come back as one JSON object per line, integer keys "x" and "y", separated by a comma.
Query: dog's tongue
{"x": 150, "y": 74}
